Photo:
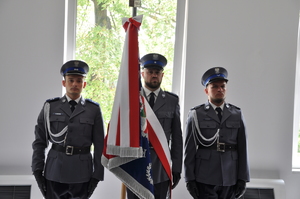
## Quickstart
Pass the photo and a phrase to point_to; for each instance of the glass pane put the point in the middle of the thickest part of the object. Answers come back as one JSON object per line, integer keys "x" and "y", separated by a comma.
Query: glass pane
{"x": 299, "y": 141}
{"x": 100, "y": 39}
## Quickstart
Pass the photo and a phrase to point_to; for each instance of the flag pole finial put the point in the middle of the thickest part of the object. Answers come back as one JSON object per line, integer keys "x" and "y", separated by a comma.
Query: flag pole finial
{"x": 134, "y": 4}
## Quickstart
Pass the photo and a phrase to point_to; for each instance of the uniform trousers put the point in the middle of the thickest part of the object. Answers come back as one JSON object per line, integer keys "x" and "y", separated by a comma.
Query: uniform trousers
{"x": 160, "y": 191}
{"x": 207, "y": 191}
{"x": 56, "y": 190}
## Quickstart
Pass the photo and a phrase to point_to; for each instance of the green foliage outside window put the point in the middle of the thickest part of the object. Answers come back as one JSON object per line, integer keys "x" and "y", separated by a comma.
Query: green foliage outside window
{"x": 100, "y": 38}
{"x": 299, "y": 141}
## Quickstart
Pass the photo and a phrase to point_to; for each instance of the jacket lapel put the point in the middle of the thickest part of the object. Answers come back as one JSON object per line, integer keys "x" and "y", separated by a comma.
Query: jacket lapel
{"x": 65, "y": 107}
{"x": 80, "y": 107}
{"x": 160, "y": 100}
{"x": 211, "y": 112}
{"x": 226, "y": 112}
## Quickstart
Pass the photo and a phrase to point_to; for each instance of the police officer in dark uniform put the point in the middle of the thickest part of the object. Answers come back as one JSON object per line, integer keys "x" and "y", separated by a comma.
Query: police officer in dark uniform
{"x": 165, "y": 105}
{"x": 72, "y": 125}
{"x": 216, "y": 160}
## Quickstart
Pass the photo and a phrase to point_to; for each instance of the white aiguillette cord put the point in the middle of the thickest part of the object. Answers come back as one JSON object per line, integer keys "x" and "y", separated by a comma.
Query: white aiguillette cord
{"x": 195, "y": 128}
{"x": 47, "y": 125}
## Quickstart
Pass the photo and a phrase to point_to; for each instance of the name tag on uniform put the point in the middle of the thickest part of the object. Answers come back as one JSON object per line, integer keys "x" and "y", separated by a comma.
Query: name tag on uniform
{"x": 57, "y": 113}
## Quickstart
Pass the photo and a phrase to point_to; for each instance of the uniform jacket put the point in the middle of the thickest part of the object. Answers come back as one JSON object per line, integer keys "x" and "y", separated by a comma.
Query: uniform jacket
{"x": 85, "y": 127}
{"x": 167, "y": 111}
{"x": 210, "y": 166}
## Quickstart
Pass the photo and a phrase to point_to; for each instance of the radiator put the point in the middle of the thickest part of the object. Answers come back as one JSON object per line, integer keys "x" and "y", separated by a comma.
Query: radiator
{"x": 21, "y": 180}
{"x": 14, "y": 180}
{"x": 277, "y": 185}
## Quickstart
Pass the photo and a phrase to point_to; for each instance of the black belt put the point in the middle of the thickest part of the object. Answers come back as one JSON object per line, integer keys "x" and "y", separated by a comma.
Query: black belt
{"x": 71, "y": 150}
{"x": 222, "y": 147}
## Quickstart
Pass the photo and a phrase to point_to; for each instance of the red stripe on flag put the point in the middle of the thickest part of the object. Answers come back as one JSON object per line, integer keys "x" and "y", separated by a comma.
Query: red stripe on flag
{"x": 118, "y": 136}
{"x": 134, "y": 90}
{"x": 159, "y": 149}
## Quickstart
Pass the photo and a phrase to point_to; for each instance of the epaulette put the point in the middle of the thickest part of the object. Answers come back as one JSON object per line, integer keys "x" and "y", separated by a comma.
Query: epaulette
{"x": 196, "y": 107}
{"x": 53, "y": 99}
{"x": 173, "y": 94}
{"x": 91, "y": 101}
{"x": 234, "y": 106}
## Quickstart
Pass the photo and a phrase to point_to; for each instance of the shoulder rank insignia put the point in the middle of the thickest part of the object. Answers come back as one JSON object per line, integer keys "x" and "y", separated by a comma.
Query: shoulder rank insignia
{"x": 173, "y": 94}
{"x": 53, "y": 99}
{"x": 228, "y": 105}
{"x": 91, "y": 101}
{"x": 196, "y": 107}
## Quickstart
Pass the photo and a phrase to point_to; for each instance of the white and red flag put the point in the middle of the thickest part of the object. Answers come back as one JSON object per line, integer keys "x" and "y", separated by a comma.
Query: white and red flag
{"x": 133, "y": 124}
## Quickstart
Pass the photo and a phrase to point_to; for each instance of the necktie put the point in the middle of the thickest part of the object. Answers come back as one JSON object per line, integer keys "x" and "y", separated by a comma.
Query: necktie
{"x": 151, "y": 100}
{"x": 219, "y": 110}
{"x": 73, "y": 104}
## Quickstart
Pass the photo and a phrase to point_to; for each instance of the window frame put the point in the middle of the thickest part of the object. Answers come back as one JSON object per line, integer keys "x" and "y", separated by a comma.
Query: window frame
{"x": 179, "y": 50}
{"x": 296, "y": 122}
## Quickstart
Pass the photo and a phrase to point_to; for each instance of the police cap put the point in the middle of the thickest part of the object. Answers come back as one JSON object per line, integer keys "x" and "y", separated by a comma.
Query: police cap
{"x": 214, "y": 74}
{"x": 74, "y": 67}
{"x": 153, "y": 60}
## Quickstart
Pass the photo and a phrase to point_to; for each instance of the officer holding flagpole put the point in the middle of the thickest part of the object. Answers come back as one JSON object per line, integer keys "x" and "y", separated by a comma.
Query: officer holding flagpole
{"x": 165, "y": 105}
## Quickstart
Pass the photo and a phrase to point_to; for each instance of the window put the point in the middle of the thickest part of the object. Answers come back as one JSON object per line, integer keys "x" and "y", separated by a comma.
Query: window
{"x": 100, "y": 39}
{"x": 296, "y": 128}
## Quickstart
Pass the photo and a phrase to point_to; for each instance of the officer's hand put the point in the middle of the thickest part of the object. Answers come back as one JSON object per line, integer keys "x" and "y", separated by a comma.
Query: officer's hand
{"x": 176, "y": 178}
{"x": 92, "y": 186}
{"x": 240, "y": 188}
{"x": 41, "y": 181}
{"x": 192, "y": 188}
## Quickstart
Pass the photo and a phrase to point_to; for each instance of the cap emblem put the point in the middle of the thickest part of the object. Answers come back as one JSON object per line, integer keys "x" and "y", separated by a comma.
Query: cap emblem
{"x": 155, "y": 57}
{"x": 76, "y": 63}
{"x": 217, "y": 70}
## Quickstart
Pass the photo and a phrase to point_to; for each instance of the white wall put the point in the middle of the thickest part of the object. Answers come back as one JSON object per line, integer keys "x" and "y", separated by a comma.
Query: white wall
{"x": 255, "y": 40}
{"x": 31, "y": 53}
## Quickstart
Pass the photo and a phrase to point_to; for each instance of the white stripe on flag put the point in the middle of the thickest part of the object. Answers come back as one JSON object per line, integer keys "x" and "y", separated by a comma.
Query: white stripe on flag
{"x": 119, "y": 140}
{"x": 159, "y": 132}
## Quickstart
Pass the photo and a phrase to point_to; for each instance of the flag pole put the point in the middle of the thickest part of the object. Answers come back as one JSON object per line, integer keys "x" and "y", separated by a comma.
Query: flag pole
{"x": 134, "y": 4}
{"x": 123, "y": 191}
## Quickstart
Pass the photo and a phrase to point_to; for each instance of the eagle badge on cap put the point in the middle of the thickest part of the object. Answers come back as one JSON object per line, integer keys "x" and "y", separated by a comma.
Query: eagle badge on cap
{"x": 217, "y": 70}
{"x": 155, "y": 56}
{"x": 76, "y": 63}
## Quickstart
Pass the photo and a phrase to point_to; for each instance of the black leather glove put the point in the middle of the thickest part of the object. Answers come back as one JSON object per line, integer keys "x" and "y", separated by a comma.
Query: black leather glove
{"x": 41, "y": 181}
{"x": 240, "y": 188}
{"x": 176, "y": 178}
{"x": 92, "y": 186}
{"x": 192, "y": 188}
